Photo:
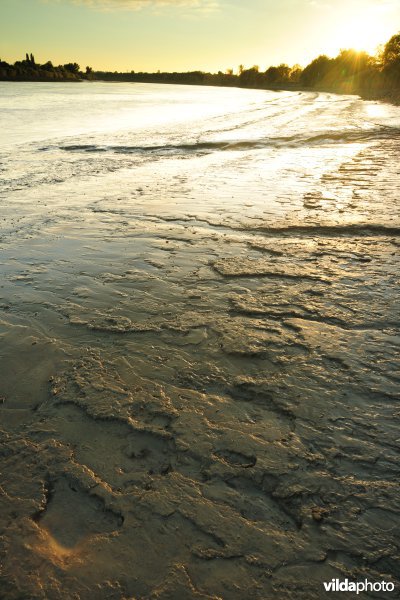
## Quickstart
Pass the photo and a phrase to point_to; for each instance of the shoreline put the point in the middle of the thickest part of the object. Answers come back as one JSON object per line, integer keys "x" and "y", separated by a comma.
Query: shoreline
{"x": 388, "y": 96}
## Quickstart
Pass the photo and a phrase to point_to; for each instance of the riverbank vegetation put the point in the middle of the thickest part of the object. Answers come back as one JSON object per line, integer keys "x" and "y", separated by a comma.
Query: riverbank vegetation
{"x": 350, "y": 72}
{"x": 29, "y": 70}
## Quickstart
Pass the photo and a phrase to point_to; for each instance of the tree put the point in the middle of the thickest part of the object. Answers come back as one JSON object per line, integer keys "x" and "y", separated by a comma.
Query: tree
{"x": 283, "y": 72}
{"x": 391, "y": 62}
{"x": 72, "y": 68}
{"x": 391, "y": 52}
{"x": 316, "y": 71}
{"x": 271, "y": 75}
{"x": 295, "y": 73}
{"x": 350, "y": 62}
{"x": 250, "y": 77}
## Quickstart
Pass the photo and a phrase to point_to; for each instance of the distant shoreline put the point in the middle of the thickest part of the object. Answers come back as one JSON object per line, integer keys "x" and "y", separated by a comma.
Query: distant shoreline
{"x": 389, "y": 96}
{"x": 350, "y": 73}
{"x": 385, "y": 96}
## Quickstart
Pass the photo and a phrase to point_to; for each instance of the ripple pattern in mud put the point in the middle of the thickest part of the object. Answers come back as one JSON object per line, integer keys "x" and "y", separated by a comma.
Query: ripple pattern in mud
{"x": 201, "y": 390}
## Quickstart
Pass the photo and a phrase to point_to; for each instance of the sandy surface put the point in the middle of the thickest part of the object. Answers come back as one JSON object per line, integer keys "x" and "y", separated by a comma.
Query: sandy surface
{"x": 197, "y": 405}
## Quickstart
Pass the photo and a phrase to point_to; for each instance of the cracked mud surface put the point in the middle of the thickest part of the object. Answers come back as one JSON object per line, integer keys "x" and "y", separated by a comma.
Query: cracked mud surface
{"x": 196, "y": 402}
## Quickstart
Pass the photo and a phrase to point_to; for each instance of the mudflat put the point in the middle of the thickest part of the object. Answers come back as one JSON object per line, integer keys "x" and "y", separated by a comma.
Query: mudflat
{"x": 199, "y": 343}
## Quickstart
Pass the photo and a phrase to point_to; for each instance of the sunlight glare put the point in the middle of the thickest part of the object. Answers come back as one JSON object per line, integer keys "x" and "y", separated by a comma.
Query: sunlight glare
{"x": 375, "y": 110}
{"x": 362, "y": 31}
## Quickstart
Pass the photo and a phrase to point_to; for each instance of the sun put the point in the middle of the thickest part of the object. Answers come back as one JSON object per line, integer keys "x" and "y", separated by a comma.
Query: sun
{"x": 362, "y": 30}
{"x": 360, "y": 34}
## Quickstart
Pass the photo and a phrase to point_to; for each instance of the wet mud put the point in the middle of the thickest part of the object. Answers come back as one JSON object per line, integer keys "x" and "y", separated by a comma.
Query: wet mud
{"x": 196, "y": 402}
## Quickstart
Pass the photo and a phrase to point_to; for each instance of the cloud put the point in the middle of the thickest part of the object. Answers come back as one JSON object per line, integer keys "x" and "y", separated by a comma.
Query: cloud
{"x": 109, "y": 5}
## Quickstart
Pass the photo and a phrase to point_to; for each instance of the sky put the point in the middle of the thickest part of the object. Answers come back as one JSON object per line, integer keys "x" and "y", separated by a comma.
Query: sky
{"x": 180, "y": 35}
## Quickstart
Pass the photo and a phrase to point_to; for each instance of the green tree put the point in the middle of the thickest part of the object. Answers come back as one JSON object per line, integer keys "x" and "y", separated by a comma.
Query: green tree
{"x": 391, "y": 63}
{"x": 250, "y": 77}
{"x": 316, "y": 71}
{"x": 391, "y": 52}
{"x": 350, "y": 62}
{"x": 295, "y": 73}
{"x": 271, "y": 75}
{"x": 72, "y": 68}
{"x": 283, "y": 73}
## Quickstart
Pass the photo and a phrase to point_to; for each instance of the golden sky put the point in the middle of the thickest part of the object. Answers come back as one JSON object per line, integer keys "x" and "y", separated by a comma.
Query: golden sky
{"x": 178, "y": 35}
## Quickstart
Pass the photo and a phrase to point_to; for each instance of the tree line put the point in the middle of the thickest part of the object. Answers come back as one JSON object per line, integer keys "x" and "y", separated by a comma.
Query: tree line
{"x": 350, "y": 72}
{"x": 29, "y": 70}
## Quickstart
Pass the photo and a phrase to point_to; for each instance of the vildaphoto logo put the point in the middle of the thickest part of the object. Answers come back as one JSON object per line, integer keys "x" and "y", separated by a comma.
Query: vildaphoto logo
{"x": 336, "y": 585}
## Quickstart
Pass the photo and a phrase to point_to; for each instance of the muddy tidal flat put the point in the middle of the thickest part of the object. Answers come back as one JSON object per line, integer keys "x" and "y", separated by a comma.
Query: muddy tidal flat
{"x": 199, "y": 343}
